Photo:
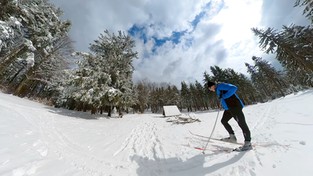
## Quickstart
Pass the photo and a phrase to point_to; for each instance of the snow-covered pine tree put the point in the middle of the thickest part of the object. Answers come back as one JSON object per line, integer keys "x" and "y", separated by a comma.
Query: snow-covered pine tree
{"x": 293, "y": 47}
{"x": 87, "y": 87}
{"x": 104, "y": 77}
{"x": 300, "y": 37}
{"x": 46, "y": 31}
{"x": 117, "y": 54}
{"x": 285, "y": 44}
{"x": 41, "y": 30}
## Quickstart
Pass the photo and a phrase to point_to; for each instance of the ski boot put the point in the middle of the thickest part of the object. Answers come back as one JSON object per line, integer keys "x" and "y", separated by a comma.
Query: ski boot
{"x": 246, "y": 146}
{"x": 232, "y": 138}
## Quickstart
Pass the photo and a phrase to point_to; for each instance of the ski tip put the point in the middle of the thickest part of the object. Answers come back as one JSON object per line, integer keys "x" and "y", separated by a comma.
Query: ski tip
{"x": 199, "y": 148}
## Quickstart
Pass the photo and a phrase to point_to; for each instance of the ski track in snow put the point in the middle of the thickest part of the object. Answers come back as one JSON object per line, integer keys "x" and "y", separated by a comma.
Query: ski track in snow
{"x": 51, "y": 139}
{"x": 71, "y": 152}
{"x": 143, "y": 140}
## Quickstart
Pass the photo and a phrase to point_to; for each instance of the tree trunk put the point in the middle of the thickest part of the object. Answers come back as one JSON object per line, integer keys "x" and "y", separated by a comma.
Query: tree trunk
{"x": 8, "y": 59}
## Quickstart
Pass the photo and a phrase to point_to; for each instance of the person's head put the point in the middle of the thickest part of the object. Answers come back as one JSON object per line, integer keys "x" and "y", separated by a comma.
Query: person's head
{"x": 211, "y": 86}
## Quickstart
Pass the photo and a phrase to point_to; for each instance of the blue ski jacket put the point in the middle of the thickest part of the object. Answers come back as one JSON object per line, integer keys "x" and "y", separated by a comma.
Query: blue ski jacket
{"x": 227, "y": 95}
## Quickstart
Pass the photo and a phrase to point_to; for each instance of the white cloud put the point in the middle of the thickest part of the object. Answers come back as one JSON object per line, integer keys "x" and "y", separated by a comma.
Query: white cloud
{"x": 221, "y": 37}
{"x": 237, "y": 18}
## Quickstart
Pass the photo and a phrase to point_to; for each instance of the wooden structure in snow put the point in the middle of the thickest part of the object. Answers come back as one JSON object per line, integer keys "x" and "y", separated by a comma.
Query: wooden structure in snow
{"x": 169, "y": 111}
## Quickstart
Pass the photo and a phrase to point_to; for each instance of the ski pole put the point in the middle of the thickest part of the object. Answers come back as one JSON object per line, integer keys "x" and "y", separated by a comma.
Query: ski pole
{"x": 211, "y": 132}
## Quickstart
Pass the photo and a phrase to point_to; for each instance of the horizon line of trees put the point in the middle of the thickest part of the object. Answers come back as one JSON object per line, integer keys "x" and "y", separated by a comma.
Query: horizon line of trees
{"x": 37, "y": 58}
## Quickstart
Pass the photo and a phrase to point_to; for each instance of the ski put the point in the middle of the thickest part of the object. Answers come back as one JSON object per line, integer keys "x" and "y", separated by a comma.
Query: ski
{"x": 222, "y": 149}
{"x": 216, "y": 150}
{"x": 215, "y": 139}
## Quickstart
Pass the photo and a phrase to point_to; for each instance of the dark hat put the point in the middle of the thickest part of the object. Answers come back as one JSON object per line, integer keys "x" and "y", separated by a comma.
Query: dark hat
{"x": 209, "y": 83}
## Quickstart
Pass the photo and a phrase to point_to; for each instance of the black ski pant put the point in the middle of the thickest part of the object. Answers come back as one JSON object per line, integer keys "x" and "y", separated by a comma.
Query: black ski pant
{"x": 237, "y": 113}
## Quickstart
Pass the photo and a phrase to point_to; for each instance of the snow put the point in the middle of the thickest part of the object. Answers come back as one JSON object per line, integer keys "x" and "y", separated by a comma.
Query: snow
{"x": 40, "y": 140}
{"x": 30, "y": 45}
{"x": 30, "y": 59}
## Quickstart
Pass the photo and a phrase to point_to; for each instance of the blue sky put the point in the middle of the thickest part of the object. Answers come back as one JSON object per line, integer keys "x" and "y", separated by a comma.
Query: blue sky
{"x": 179, "y": 40}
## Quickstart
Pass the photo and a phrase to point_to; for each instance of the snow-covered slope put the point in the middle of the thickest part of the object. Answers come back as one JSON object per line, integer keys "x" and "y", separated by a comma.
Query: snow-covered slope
{"x": 40, "y": 140}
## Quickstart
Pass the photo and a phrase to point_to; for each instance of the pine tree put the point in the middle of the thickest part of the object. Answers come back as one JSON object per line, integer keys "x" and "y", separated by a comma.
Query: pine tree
{"x": 201, "y": 96}
{"x": 245, "y": 88}
{"x": 22, "y": 67}
{"x": 185, "y": 97}
{"x": 171, "y": 95}
{"x": 10, "y": 27}
{"x": 218, "y": 74}
{"x": 104, "y": 77}
{"x": 87, "y": 88}
{"x": 142, "y": 91}
{"x": 117, "y": 53}
{"x": 212, "y": 99}
{"x": 193, "y": 97}
{"x": 287, "y": 53}
{"x": 265, "y": 77}
{"x": 301, "y": 38}
{"x": 308, "y": 10}
{"x": 156, "y": 99}
{"x": 7, "y": 7}
{"x": 258, "y": 82}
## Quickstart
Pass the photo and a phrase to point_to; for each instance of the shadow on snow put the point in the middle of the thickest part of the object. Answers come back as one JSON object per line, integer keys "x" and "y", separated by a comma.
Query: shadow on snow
{"x": 196, "y": 165}
{"x": 76, "y": 114}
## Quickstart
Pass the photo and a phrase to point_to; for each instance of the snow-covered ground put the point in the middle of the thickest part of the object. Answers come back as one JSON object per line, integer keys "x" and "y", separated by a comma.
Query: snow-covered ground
{"x": 41, "y": 140}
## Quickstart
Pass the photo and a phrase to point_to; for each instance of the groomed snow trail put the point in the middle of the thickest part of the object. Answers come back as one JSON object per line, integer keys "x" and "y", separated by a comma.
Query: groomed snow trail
{"x": 41, "y": 140}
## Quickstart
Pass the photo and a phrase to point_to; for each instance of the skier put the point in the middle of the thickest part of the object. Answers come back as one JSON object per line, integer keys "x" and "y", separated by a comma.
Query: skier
{"x": 233, "y": 108}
